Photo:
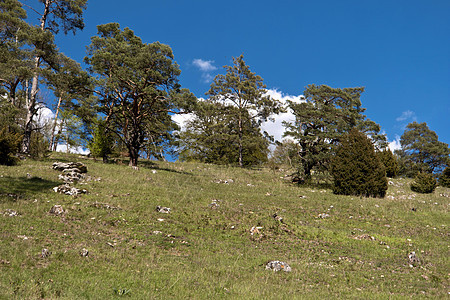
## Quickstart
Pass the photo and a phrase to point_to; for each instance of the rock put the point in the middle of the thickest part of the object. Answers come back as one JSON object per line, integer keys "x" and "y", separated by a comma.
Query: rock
{"x": 324, "y": 216}
{"x": 71, "y": 176}
{"x": 278, "y": 218}
{"x": 61, "y": 166}
{"x": 214, "y": 204}
{"x": 10, "y": 213}
{"x": 84, "y": 252}
{"x": 57, "y": 210}
{"x": 277, "y": 265}
{"x": 162, "y": 209}
{"x": 45, "y": 253}
{"x": 226, "y": 181}
{"x": 255, "y": 230}
{"x": 413, "y": 259}
{"x": 68, "y": 190}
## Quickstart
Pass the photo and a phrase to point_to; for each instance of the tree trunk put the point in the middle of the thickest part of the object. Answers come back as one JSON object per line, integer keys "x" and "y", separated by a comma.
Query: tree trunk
{"x": 52, "y": 139}
{"x": 241, "y": 164}
{"x": 31, "y": 105}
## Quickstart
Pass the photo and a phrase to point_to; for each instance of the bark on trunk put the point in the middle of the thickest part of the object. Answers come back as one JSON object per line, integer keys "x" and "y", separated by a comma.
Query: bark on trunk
{"x": 31, "y": 105}
{"x": 52, "y": 139}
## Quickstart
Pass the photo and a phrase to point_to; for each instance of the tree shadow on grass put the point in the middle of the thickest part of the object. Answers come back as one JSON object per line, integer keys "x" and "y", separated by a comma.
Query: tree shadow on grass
{"x": 13, "y": 188}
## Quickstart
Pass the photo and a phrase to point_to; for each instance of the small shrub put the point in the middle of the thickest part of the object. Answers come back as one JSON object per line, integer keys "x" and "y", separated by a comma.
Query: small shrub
{"x": 444, "y": 178}
{"x": 9, "y": 145}
{"x": 357, "y": 169}
{"x": 424, "y": 183}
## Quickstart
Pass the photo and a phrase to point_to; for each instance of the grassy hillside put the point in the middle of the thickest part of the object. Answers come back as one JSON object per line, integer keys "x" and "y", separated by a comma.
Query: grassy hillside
{"x": 203, "y": 250}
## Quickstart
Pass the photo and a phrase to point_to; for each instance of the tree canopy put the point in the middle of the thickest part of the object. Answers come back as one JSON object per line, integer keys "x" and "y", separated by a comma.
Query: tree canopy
{"x": 320, "y": 121}
{"x": 421, "y": 151}
{"x": 137, "y": 85}
{"x": 245, "y": 91}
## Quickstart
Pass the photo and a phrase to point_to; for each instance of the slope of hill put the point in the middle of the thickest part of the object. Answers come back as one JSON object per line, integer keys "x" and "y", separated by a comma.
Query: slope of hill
{"x": 224, "y": 225}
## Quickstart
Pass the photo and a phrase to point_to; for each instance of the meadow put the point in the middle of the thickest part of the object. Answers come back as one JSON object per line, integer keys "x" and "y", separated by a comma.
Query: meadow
{"x": 341, "y": 246}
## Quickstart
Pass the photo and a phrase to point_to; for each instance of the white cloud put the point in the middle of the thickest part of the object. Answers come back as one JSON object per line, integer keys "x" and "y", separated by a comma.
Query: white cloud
{"x": 407, "y": 115}
{"x": 274, "y": 129}
{"x": 395, "y": 144}
{"x": 77, "y": 150}
{"x": 204, "y": 65}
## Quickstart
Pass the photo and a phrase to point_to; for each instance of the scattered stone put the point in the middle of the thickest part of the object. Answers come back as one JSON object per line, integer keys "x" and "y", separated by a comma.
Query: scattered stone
{"x": 160, "y": 220}
{"x": 61, "y": 166}
{"x": 324, "y": 216}
{"x": 268, "y": 194}
{"x": 10, "y": 213}
{"x": 57, "y": 210}
{"x": 413, "y": 259}
{"x": 255, "y": 230}
{"x": 276, "y": 265}
{"x": 29, "y": 176}
{"x": 249, "y": 184}
{"x": 226, "y": 181}
{"x": 162, "y": 209}
{"x": 302, "y": 197}
{"x": 214, "y": 204}
{"x": 112, "y": 245}
{"x": 105, "y": 206}
{"x": 154, "y": 171}
{"x": 23, "y": 237}
{"x": 45, "y": 253}
{"x": 69, "y": 190}
{"x": 84, "y": 252}
{"x": 364, "y": 237}
{"x": 277, "y": 217}
{"x": 157, "y": 232}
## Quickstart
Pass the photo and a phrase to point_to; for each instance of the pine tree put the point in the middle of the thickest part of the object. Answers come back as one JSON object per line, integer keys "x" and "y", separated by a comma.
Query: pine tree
{"x": 245, "y": 91}
{"x": 356, "y": 169}
{"x": 444, "y": 178}
{"x": 320, "y": 121}
{"x": 422, "y": 151}
{"x": 389, "y": 161}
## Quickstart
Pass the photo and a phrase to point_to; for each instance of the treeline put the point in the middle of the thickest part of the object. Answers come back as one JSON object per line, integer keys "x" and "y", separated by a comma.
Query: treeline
{"x": 124, "y": 101}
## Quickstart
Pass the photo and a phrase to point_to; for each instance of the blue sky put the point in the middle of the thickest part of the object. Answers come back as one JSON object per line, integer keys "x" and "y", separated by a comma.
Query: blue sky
{"x": 398, "y": 50}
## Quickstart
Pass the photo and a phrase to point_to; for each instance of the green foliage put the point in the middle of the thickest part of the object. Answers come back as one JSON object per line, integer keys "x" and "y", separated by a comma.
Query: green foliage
{"x": 444, "y": 178}
{"x": 321, "y": 120}
{"x": 102, "y": 143}
{"x": 137, "y": 86}
{"x": 422, "y": 151}
{"x": 389, "y": 161}
{"x": 245, "y": 92}
{"x": 424, "y": 183}
{"x": 212, "y": 137}
{"x": 357, "y": 169}
{"x": 39, "y": 145}
{"x": 9, "y": 145}
{"x": 285, "y": 154}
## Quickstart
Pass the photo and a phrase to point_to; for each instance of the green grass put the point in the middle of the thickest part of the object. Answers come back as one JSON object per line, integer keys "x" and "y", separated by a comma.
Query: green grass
{"x": 359, "y": 252}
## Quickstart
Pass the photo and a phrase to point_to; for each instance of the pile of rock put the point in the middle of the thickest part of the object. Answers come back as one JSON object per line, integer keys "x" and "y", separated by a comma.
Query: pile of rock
{"x": 276, "y": 265}
{"x": 72, "y": 172}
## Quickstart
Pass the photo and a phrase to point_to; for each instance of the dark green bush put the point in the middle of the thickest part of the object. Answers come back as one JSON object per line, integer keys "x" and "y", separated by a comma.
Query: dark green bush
{"x": 9, "y": 146}
{"x": 390, "y": 162}
{"x": 357, "y": 169}
{"x": 424, "y": 183}
{"x": 444, "y": 178}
